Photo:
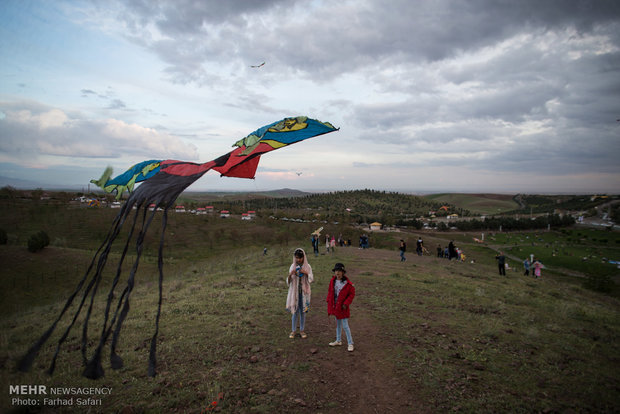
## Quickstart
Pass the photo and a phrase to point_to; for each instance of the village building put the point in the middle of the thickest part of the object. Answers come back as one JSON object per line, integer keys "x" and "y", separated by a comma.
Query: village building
{"x": 224, "y": 213}
{"x": 375, "y": 226}
{"x": 180, "y": 209}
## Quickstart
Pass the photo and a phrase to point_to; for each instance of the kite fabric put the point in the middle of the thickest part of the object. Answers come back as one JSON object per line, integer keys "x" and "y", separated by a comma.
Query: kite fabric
{"x": 161, "y": 182}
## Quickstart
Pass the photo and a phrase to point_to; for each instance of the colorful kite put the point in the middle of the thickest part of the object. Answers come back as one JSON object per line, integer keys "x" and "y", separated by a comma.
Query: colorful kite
{"x": 161, "y": 184}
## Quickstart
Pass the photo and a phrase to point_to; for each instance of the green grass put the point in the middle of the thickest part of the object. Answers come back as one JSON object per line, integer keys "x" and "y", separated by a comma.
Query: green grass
{"x": 583, "y": 250}
{"x": 465, "y": 339}
{"x": 481, "y": 344}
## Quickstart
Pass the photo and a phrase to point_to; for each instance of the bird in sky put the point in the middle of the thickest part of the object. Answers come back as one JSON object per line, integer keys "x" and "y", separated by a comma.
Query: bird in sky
{"x": 257, "y": 66}
{"x": 298, "y": 173}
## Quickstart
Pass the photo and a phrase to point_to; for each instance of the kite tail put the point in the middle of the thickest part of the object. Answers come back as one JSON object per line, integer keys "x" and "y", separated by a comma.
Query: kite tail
{"x": 93, "y": 368}
{"x": 126, "y": 209}
{"x": 25, "y": 363}
{"x": 105, "y": 332}
{"x": 160, "y": 264}
{"x": 116, "y": 362}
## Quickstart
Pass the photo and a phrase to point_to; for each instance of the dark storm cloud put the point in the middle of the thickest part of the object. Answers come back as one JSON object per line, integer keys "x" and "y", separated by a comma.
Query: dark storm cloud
{"x": 508, "y": 84}
{"x": 189, "y": 16}
{"x": 330, "y": 38}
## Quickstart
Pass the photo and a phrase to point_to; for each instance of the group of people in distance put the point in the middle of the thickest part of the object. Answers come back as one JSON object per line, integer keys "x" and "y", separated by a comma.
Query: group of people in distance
{"x": 340, "y": 294}
{"x": 450, "y": 252}
{"x": 535, "y": 264}
{"x": 332, "y": 242}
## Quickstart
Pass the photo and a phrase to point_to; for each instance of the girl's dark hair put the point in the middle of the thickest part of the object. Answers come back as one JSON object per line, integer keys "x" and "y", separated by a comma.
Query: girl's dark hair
{"x": 299, "y": 253}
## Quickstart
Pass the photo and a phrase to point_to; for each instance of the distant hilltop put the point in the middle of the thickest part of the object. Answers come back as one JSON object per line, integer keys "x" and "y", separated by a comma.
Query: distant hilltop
{"x": 242, "y": 195}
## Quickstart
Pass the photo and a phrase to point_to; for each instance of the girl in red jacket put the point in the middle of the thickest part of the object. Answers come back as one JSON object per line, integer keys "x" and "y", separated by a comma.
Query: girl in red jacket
{"x": 339, "y": 297}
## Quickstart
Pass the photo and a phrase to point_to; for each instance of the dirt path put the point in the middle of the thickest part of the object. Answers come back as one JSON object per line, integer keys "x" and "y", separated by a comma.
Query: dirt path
{"x": 362, "y": 381}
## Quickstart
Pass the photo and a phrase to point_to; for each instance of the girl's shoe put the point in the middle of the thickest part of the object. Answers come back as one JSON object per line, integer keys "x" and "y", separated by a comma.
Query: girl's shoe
{"x": 292, "y": 335}
{"x": 350, "y": 348}
{"x": 303, "y": 335}
{"x": 335, "y": 343}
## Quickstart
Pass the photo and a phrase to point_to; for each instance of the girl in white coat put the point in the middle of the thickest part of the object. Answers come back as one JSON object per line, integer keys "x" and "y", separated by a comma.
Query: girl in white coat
{"x": 298, "y": 299}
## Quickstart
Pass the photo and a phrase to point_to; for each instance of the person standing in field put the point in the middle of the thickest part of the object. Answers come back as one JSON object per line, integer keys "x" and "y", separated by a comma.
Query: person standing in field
{"x": 403, "y": 249}
{"x": 315, "y": 244}
{"x": 340, "y": 294}
{"x": 526, "y": 266}
{"x": 451, "y": 250}
{"x": 419, "y": 245}
{"x": 501, "y": 263}
{"x": 298, "y": 299}
{"x": 537, "y": 268}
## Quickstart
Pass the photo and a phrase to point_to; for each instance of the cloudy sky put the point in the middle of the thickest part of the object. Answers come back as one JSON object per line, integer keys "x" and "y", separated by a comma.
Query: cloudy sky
{"x": 429, "y": 96}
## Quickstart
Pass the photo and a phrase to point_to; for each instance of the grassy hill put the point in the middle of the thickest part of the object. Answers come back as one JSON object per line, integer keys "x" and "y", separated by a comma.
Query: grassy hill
{"x": 483, "y": 204}
{"x": 222, "y": 196}
{"x": 431, "y": 335}
{"x": 343, "y": 206}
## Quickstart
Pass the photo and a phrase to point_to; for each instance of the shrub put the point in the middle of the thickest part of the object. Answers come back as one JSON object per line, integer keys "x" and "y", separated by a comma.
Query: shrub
{"x": 3, "y": 237}
{"x": 38, "y": 241}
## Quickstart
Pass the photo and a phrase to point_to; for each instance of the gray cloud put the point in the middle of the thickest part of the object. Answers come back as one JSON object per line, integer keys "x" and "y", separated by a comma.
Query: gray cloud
{"x": 117, "y": 104}
{"x": 86, "y": 92}
{"x": 328, "y": 39}
{"x": 89, "y": 92}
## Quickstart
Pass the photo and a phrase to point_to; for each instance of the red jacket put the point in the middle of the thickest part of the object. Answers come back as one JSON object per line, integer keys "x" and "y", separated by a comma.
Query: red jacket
{"x": 344, "y": 298}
